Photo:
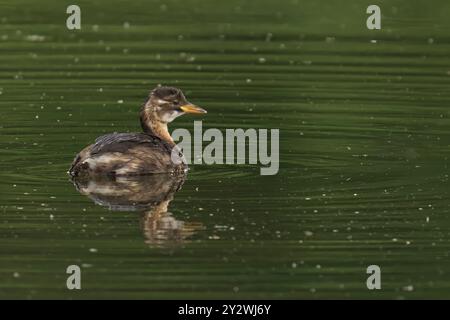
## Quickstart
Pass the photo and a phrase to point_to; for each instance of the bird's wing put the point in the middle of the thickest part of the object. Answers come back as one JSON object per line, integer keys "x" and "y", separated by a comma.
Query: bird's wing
{"x": 121, "y": 142}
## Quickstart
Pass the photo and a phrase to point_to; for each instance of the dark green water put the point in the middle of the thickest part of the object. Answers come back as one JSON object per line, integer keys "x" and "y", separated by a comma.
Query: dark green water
{"x": 364, "y": 148}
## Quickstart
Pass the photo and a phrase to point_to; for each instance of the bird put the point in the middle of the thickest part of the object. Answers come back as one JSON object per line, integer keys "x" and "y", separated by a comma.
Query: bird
{"x": 147, "y": 152}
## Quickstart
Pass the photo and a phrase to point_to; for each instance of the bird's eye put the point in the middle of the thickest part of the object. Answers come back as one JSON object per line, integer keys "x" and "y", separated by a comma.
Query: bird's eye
{"x": 175, "y": 102}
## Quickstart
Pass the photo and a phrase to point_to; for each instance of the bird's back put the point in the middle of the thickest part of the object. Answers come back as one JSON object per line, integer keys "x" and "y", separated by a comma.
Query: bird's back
{"x": 126, "y": 154}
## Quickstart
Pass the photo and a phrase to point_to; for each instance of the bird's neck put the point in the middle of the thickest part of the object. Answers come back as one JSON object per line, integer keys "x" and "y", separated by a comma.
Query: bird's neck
{"x": 154, "y": 127}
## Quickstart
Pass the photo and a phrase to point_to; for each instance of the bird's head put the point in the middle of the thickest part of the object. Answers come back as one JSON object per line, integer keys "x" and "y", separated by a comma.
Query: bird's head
{"x": 167, "y": 103}
{"x": 163, "y": 105}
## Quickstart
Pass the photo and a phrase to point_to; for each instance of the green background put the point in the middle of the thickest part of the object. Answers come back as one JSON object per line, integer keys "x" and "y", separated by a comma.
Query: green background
{"x": 364, "y": 148}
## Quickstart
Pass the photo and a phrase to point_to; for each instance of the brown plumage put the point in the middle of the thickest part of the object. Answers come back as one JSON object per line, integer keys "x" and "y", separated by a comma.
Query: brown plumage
{"x": 122, "y": 154}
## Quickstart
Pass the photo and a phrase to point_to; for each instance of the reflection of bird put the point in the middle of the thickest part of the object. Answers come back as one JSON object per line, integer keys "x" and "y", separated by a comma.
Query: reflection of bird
{"x": 118, "y": 154}
{"x": 150, "y": 194}
{"x": 160, "y": 227}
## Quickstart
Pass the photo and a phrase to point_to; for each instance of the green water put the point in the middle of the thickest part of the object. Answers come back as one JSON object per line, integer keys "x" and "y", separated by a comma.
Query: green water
{"x": 364, "y": 149}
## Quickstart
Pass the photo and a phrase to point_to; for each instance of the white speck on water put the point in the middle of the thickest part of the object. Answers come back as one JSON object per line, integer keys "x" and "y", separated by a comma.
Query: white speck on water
{"x": 248, "y": 80}
{"x": 51, "y": 217}
{"x": 293, "y": 265}
{"x": 119, "y": 101}
{"x": 427, "y": 219}
{"x": 16, "y": 275}
{"x": 262, "y": 60}
{"x": 126, "y": 25}
{"x": 430, "y": 40}
{"x": 408, "y": 288}
{"x": 93, "y": 250}
{"x": 37, "y": 116}
{"x": 95, "y": 28}
{"x": 86, "y": 265}
{"x": 373, "y": 41}
{"x": 308, "y": 233}
{"x": 307, "y": 198}
{"x": 236, "y": 289}
{"x": 214, "y": 237}
{"x": 35, "y": 38}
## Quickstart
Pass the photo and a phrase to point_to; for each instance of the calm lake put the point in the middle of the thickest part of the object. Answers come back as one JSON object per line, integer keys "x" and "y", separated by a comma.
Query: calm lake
{"x": 364, "y": 150}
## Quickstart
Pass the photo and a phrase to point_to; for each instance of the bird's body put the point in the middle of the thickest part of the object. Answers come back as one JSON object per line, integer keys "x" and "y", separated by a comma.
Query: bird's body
{"x": 126, "y": 154}
{"x": 153, "y": 151}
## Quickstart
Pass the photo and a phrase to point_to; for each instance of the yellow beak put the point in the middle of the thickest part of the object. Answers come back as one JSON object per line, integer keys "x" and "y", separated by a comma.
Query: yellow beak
{"x": 190, "y": 108}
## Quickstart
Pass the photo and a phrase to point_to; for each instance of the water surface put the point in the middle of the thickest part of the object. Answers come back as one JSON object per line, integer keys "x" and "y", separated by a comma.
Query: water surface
{"x": 364, "y": 149}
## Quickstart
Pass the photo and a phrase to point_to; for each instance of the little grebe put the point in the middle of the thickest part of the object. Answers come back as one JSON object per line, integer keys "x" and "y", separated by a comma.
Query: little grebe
{"x": 121, "y": 154}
